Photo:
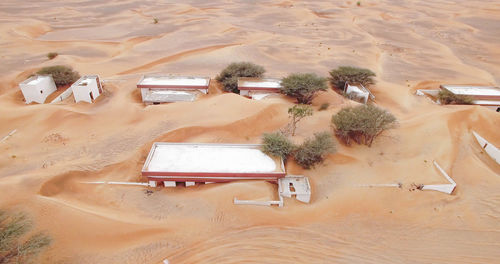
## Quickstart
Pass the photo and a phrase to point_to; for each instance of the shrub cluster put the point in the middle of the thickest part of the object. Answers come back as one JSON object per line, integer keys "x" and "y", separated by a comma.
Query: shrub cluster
{"x": 343, "y": 74}
{"x": 62, "y": 75}
{"x": 297, "y": 113}
{"x": 303, "y": 86}
{"x": 314, "y": 150}
{"x": 52, "y": 55}
{"x": 447, "y": 97}
{"x": 229, "y": 76}
{"x": 277, "y": 144}
{"x": 362, "y": 123}
{"x": 15, "y": 246}
{"x": 310, "y": 153}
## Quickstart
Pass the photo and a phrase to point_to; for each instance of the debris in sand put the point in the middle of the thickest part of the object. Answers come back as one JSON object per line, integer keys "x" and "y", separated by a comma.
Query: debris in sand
{"x": 9, "y": 135}
{"x": 490, "y": 149}
{"x": 445, "y": 188}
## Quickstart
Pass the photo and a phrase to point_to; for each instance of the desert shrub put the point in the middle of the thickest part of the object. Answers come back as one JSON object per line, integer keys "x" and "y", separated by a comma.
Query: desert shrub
{"x": 343, "y": 74}
{"x": 314, "y": 150}
{"x": 229, "y": 76}
{"x": 323, "y": 106}
{"x": 303, "y": 86}
{"x": 62, "y": 75}
{"x": 14, "y": 246}
{"x": 155, "y": 20}
{"x": 297, "y": 113}
{"x": 447, "y": 97}
{"x": 277, "y": 144}
{"x": 362, "y": 123}
{"x": 52, "y": 55}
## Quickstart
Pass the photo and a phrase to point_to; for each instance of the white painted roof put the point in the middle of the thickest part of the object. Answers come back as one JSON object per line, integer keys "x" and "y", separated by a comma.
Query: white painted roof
{"x": 209, "y": 158}
{"x": 357, "y": 89}
{"x": 175, "y": 81}
{"x": 473, "y": 90}
{"x": 255, "y": 82}
{"x": 38, "y": 79}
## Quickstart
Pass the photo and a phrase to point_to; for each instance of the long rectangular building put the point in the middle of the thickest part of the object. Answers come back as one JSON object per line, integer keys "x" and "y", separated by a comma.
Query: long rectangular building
{"x": 482, "y": 95}
{"x": 157, "y": 89}
{"x": 199, "y": 162}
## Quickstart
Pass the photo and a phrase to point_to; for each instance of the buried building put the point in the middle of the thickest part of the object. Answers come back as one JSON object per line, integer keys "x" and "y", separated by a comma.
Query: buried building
{"x": 169, "y": 163}
{"x": 488, "y": 96}
{"x": 358, "y": 92}
{"x": 258, "y": 88}
{"x": 87, "y": 88}
{"x": 157, "y": 89}
{"x": 37, "y": 88}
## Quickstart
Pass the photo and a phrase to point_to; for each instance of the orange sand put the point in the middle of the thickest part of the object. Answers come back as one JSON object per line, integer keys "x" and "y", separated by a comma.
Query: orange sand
{"x": 409, "y": 44}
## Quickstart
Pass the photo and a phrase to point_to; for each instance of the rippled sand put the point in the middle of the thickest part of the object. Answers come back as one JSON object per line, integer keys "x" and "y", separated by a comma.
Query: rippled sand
{"x": 409, "y": 44}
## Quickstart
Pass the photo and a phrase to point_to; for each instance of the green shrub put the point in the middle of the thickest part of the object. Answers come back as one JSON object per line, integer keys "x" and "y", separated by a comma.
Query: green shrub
{"x": 15, "y": 247}
{"x": 297, "y": 113}
{"x": 277, "y": 144}
{"x": 62, "y": 75}
{"x": 447, "y": 97}
{"x": 362, "y": 123}
{"x": 52, "y": 55}
{"x": 229, "y": 76}
{"x": 324, "y": 106}
{"x": 303, "y": 86}
{"x": 314, "y": 150}
{"x": 343, "y": 74}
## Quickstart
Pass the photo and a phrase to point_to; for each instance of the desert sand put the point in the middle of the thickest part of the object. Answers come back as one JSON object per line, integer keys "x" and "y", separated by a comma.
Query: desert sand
{"x": 409, "y": 44}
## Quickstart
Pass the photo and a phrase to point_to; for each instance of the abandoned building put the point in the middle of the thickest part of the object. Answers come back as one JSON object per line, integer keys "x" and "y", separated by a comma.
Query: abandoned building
{"x": 157, "y": 89}
{"x": 87, "y": 88}
{"x": 37, "y": 88}
{"x": 259, "y": 88}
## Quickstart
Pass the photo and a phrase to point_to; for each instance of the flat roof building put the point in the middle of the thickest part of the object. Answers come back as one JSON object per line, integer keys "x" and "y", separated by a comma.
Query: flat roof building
{"x": 165, "y": 89}
{"x": 258, "y": 88}
{"x": 198, "y": 162}
{"x": 37, "y": 88}
{"x": 87, "y": 88}
{"x": 488, "y": 96}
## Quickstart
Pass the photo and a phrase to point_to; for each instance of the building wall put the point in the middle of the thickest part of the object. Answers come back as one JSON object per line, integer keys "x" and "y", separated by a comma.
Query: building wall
{"x": 82, "y": 93}
{"x": 38, "y": 92}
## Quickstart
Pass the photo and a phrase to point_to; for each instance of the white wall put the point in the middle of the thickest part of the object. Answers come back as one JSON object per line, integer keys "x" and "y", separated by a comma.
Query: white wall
{"x": 38, "y": 92}
{"x": 82, "y": 92}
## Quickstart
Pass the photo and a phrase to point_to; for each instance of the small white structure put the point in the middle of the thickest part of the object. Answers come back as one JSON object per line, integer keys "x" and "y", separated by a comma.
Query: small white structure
{"x": 297, "y": 186}
{"x": 87, "y": 88}
{"x": 157, "y": 89}
{"x": 37, "y": 88}
{"x": 358, "y": 92}
{"x": 259, "y": 88}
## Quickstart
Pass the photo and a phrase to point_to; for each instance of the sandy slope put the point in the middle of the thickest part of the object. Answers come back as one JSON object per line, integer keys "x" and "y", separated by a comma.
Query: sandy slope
{"x": 410, "y": 45}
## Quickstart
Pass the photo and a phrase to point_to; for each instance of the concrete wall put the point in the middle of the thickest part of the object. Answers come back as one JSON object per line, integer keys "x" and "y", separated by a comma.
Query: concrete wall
{"x": 82, "y": 92}
{"x": 63, "y": 96}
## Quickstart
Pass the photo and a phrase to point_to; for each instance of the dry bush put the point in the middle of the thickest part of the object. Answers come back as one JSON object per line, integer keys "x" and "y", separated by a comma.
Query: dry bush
{"x": 62, "y": 75}
{"x": 229, "y": 76}
{"x": 362, "y": 123}
{"x": 447, "y": 97}
{"x": 277, "y": 144}
{"x": 303, "y": 86}
{"x": 314, "y": 150}
{"x": 343, "y": 74}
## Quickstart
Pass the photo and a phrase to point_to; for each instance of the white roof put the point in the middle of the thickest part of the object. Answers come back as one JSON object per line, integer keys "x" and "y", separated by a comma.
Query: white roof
{"x": 209, "y": 158}
{"x": 357, "y": 89}
{"x": 174, "y": 81}
{"x": 37, "y": 79}
{"x": 255, "y": 82}
{"x": 472, "y": 90}
{"x": 487, "y": 102}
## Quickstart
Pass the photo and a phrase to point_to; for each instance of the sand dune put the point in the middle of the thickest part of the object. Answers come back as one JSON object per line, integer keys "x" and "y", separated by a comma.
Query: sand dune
{"x": 409, "y": 44}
